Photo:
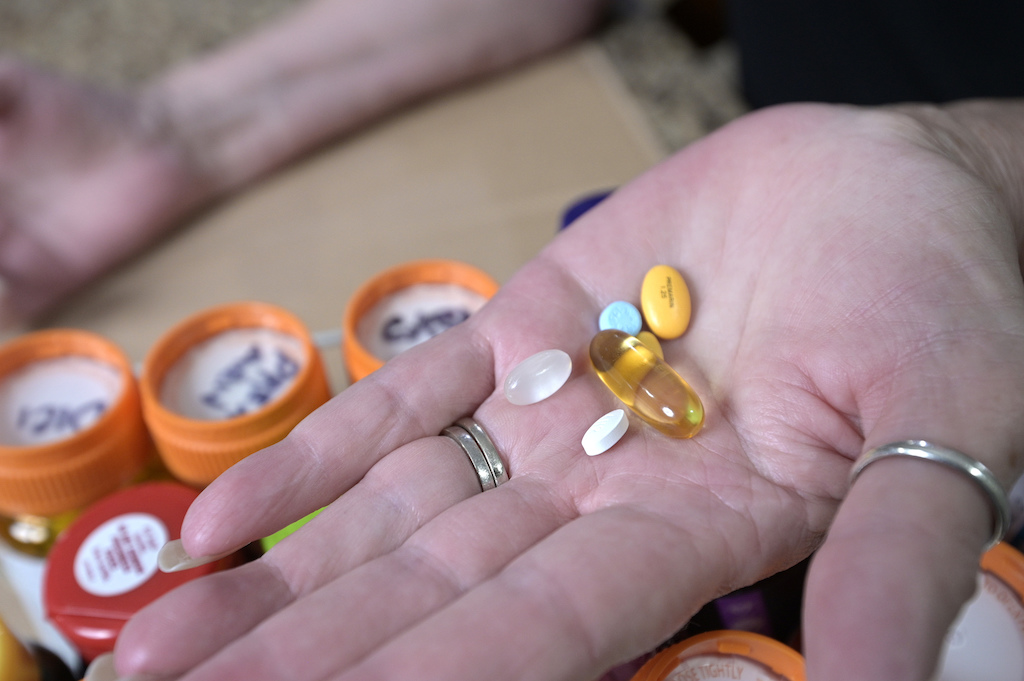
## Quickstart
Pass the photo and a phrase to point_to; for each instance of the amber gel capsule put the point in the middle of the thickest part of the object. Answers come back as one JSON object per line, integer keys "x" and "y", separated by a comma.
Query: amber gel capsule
{"x": 646, "y": 383}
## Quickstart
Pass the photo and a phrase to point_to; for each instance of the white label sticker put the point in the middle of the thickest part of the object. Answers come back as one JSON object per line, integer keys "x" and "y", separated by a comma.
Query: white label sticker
{"x": 704, "y": 667}
{"x": 53, "y": 399}
{"x": 987, "y": 639}
{"x": 413, "y": 315}
{"x": 233, "y": 373}
{"x": 120, "y": 555}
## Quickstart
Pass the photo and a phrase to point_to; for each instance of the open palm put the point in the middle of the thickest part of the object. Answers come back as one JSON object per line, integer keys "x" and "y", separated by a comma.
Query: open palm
{"x": 852, "y": 286}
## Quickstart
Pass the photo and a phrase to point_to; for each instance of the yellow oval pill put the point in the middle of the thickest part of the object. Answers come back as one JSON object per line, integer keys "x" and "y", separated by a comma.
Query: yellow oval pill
{"x": 646, "y": 384}
{"x": 651, "y": 341}
{"x": 665, "y": 300}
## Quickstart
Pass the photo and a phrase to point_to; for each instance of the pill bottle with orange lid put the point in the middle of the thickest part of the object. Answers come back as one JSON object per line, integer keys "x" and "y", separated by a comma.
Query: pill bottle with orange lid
{"x": 396, "y": 309}
{"x": 71, "y": 431}
{"x": 724, "y": 654}
{"x": 772, "y": 607}
{"x": 405, "y": 305}
{"x": 987, "y": 639}
{"x": 226, "y": 383}
{"x": 16, "y": 662}
{"x": 22, "y": 662}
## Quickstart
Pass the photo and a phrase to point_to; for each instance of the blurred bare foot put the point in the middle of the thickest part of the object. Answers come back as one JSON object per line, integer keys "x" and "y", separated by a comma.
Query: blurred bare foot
{"x": 88, "y": 176}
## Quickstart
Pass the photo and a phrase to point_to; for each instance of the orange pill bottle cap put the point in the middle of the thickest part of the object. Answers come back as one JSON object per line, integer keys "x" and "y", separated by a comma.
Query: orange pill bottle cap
{"x": 197, "y": 447}
{"x": 66, "y": 473}
{"x": 1007, "y": 562}
{"x": 359, "y": 360}
{"x": 725, "y": 654}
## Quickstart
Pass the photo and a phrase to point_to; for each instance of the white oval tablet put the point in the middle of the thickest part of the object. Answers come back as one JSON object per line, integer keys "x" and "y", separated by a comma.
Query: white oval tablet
{"x": 605, "y": 432}
{"x": 538, "y": 377}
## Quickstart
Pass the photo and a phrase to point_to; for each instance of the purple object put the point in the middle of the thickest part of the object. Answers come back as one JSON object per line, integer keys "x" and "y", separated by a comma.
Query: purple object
{"x": 745, "y": 611}
{"x": 581, "y": 206}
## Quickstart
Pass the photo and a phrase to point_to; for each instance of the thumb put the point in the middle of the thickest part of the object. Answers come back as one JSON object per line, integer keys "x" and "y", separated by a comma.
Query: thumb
{"x": 902, "y": 555}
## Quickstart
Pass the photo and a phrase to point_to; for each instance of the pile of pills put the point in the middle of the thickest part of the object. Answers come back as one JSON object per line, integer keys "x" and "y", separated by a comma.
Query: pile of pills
{"x": 665, "y": 300}
{"x": 629, "y": 360}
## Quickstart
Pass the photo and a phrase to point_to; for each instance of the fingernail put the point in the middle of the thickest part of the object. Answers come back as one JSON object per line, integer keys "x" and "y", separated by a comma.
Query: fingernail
{"x": 173, "y": 557}
{"x": 101, "y": 669}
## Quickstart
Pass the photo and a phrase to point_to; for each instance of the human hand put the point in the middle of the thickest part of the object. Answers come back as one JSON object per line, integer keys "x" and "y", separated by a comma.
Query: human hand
{"x": 88, "y": 176}
{"x": 853, "y": 285}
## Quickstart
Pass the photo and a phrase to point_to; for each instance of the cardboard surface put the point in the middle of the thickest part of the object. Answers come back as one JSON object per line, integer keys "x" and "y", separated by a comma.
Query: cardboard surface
{"x": 480, "y": 175}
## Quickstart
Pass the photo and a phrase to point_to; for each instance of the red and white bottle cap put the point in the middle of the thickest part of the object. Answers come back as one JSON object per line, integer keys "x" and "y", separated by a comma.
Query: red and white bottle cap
{"x": 103, "y": 568}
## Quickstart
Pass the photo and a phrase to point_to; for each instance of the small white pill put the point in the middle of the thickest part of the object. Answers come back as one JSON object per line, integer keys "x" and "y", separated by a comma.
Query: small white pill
{"x": 538, "y": 377}
{"x": 605, "y": 432}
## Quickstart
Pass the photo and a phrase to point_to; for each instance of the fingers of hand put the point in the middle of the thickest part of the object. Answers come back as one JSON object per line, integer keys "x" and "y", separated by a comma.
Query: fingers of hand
{"x": 900, "y": 560}
{"x": 424, "y": 390}
{"x": 396, "y": 497}
{"x": 176, "y": 631}
{"x": 464, "y": 546}
{"x": 600, "y": 590}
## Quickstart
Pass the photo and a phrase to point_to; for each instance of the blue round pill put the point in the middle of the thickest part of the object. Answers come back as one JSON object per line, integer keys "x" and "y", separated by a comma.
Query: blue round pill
{"x": 622, "y": 316}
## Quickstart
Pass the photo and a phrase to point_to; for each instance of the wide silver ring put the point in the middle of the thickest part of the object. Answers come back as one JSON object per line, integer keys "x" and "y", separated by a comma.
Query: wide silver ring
{"x": 976, "y": 470}
{"x": 486, "y": 444}
{"x": 478, "y": 446}
{"x": 476, "y": 456}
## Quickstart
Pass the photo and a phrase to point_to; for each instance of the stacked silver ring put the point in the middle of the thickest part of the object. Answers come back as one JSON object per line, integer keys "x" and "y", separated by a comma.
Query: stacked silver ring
{"x": 975, "y": 470}
{"x": 483, "y": 455}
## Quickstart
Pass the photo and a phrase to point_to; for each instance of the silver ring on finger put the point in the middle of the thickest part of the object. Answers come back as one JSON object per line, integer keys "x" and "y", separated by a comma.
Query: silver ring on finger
{"x": 486, "y": 444}
{"x": 975, "y": 470}
{"x": 479, "y": 448}
{"x": 476, "y": 456}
